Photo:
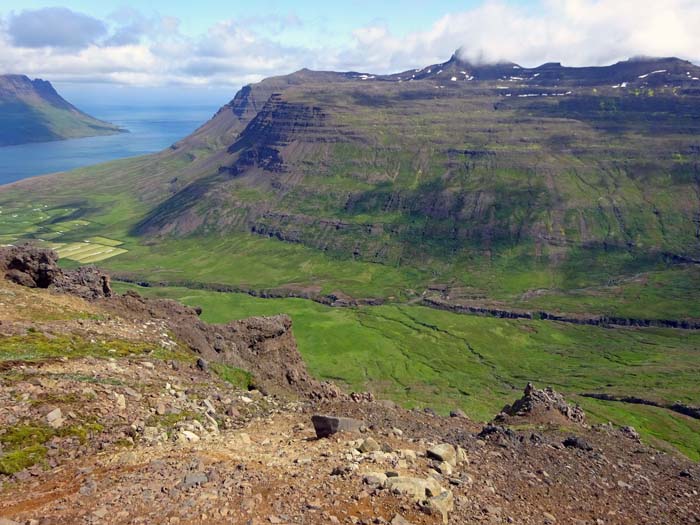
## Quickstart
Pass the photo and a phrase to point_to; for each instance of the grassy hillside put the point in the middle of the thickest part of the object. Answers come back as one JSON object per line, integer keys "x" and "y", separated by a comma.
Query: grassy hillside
{"x": 423, "y": 357}
{"x": 575, "y": 195}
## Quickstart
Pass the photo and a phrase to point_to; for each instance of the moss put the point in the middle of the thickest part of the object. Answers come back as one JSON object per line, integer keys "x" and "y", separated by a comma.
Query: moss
{"x": 25, "y": 444}
{"x": 18, "y": 460}
{"x": 82, "y": 431}
{"x": 170, "y": 420}
{"x": 55, "y": 399}
{"x": 25, "y": 435}
{"x": 238, "y": 377}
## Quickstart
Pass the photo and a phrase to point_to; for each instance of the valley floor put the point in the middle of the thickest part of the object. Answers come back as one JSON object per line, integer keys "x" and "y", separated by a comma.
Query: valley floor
{"x": 109, "y": 420}
{"x": 421, "y": 357}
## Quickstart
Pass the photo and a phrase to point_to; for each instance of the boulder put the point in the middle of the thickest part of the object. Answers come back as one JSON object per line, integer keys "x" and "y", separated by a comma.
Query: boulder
{"x": 444, "y": 452}
{"x": 462, "y": 456}
{"x": 442, "y": 504}
{"x": 375, "y": 479}
{"x": 631, "y": 433}
{"x": 328, "y": 425}
{"x": 194, "y": 479}
{"x": 443, "y": 468}
{"x": 577, "y": 442}
{"x": 369, "y": 445}
{"x": 415, "y": 488}
{"x": 55, "y": 418}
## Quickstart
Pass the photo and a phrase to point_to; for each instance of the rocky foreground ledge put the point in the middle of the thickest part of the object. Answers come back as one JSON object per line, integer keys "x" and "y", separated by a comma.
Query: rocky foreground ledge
{"x": 122, "y": 410}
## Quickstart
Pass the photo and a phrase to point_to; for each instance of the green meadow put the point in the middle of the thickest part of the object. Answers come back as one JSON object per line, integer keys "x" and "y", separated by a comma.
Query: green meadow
{"x": 422, "y": 357}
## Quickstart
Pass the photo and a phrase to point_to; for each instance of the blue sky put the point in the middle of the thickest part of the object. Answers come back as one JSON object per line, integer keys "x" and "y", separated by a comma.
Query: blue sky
{"x": 204, "y": 48}
{"x": 334, "y": 19}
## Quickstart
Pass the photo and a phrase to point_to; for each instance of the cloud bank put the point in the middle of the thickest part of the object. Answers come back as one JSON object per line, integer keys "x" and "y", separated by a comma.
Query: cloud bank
{"x": 132, "y": 49}
{"x": 54, "y": 27}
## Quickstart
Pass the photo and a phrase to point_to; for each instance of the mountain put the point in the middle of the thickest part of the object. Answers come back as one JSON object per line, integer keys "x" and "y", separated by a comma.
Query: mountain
{"x": 453, "y": 160}
{"x": 32, "y": 111}
{"x": 489, "y": 183}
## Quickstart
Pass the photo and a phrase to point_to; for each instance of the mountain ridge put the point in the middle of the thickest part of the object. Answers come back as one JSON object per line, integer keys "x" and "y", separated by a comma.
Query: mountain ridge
{"x": 282, "y": 122}
{"x": 33, "y": 111}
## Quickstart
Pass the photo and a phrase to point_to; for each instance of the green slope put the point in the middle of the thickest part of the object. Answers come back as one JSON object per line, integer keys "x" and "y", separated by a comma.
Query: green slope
{"x": 423, "y": 357}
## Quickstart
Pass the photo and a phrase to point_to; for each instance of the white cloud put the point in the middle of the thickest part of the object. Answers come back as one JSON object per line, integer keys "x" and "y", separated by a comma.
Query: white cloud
{"x": 575, "y": 32}
{"x": 153, "y": 51}
{"x": 54, "y": 27}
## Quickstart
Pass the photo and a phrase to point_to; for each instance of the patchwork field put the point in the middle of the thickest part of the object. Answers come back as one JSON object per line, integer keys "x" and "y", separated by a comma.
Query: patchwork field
{"x": 43, "y": 225}
{"x": 87, "y": 252}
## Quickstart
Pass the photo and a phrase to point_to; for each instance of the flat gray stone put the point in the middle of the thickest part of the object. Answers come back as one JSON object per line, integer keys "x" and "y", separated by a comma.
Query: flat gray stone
{"x": 194, "y": 479}
{"x": 328, "y": 425}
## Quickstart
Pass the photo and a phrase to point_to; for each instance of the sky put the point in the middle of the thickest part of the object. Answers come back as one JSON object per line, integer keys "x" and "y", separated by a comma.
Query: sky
{"x": 205, "y": 49}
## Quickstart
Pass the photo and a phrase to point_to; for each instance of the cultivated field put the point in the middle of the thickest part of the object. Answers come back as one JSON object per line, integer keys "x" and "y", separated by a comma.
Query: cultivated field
{"x": 40, "y": 224}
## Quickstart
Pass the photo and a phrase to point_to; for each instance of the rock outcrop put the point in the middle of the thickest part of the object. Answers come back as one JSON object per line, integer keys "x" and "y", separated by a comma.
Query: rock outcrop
{"x": 264, "y": 346}
{"x": 35, "y": 267}
{"x": 542, "y": 406}
{"x": 29, "y": 266}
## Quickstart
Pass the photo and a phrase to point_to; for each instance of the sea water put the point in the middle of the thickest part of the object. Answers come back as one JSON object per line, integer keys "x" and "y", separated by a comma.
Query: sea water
{"x": 150, "y": 130}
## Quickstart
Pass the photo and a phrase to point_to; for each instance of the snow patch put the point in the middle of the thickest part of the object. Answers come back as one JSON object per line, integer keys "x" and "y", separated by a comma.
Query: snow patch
{"x": 653, "y": 73}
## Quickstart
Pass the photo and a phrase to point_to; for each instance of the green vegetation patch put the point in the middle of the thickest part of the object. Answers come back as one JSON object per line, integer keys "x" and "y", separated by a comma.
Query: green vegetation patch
{"x": 238, "y": 377}
{"x": 36, "y": 346}
{"x": 23, "y": 445}
{"x": 659, "y": 427}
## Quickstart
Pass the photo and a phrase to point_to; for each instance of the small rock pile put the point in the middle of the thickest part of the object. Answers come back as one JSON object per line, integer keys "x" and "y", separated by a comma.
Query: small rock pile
{"x": 542, "y": 404}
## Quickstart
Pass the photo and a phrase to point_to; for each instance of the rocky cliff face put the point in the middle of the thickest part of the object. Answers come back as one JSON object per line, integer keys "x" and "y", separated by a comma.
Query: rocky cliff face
{"x": 264, "y": 346}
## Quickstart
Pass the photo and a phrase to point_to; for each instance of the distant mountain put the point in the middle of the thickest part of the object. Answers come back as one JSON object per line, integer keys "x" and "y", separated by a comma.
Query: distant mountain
{"x": 32, "y": 111}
